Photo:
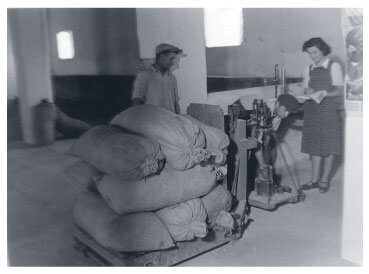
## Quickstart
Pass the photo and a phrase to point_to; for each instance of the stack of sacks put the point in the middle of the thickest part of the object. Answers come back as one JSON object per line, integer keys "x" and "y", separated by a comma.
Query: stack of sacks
{"x": 183, "y": 196}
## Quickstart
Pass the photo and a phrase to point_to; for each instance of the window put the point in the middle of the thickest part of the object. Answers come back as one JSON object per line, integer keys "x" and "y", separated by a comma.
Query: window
{"x": 223, "y": 27}
{"x": 65, "y": 44}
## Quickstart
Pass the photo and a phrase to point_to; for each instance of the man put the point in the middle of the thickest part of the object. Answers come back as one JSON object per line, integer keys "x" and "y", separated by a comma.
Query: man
{"x": 157, "y": 85}
{"x": 283, "y": 106}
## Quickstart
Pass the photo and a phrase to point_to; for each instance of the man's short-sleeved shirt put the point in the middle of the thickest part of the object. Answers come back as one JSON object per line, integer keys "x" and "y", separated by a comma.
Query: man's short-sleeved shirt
{"x": 156, "y": 89}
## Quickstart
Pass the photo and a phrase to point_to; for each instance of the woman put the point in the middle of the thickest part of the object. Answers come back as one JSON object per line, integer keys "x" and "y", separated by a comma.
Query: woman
{"x": 321, "y": 137}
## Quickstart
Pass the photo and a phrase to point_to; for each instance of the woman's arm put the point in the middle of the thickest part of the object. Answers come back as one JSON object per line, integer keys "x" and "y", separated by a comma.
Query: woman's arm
{"x": 337, "y": 81}
{"x": 306, "y": 79}
{"x": 336, "y": 91}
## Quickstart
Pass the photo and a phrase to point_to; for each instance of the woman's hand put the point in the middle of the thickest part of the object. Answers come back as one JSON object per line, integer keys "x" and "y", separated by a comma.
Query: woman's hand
{"x": 309, "y": 91}
{"x": 319, "y": 96}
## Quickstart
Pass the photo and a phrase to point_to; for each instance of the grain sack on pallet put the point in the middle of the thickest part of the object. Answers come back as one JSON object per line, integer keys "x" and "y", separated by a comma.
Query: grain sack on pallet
{"x": 122, "y": 155}
{"x": 181, "y": 141}
{"x": 134, "y": 232}
{"x": 217, "y": 141}
{"x": 168, "y": 188}
{"x": 219, "y": 199}
{"x": 185, "y": 221}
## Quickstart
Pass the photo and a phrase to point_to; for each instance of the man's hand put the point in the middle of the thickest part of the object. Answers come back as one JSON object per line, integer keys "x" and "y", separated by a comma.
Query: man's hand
{"x": 276, "y": 122}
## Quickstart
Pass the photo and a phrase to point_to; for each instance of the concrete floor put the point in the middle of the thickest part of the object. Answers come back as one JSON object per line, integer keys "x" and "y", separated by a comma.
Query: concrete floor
{"x": 40, "y": 201}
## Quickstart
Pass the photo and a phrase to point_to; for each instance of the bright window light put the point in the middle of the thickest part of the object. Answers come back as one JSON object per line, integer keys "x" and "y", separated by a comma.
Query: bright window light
{"x": 65, "y": 44}
{"x": 223, "y": 27}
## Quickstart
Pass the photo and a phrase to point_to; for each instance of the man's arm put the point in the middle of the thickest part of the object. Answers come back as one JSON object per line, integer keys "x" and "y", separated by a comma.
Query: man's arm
{"x": 276, "y": 122}
{"x": 177, "y": 107}
{"x": 139, "y": 90}
{"x": 260, "y": 157}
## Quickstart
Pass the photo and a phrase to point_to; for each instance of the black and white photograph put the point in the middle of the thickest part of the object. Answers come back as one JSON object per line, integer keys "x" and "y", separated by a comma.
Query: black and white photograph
{"x": 189, "y": 136}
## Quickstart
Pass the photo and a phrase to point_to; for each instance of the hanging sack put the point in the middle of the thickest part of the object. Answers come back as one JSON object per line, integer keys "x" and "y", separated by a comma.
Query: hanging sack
{"x": 44, "y": 122}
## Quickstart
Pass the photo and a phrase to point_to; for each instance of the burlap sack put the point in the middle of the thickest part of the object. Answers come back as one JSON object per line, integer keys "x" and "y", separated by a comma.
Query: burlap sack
{"x": 134, "y": 232}
{"x": 168, "y": 188}
{"x": 215, "y": 201}
{"x": 181, "y": 141}
{"x": 185, "y": 221}
{"x": 217, "y": 141}
{"x": 122, "y": 155}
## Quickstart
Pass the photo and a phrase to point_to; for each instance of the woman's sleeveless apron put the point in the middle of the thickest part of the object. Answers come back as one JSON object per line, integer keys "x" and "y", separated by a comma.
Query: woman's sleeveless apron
{"x": 321, "y": 133}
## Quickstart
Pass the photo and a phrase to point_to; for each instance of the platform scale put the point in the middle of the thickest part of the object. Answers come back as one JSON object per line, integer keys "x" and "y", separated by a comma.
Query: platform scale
{"x": 276, "y": 198}
{"x": 244, "y": 145}
{"x": 183, "y": 251}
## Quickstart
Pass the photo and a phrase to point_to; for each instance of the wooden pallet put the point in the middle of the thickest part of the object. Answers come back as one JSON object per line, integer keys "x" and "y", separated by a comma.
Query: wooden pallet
{"x": 184, "y": 251}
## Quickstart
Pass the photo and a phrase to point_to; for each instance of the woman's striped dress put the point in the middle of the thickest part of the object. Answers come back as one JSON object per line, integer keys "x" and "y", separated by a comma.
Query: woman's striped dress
{"x": 321, "y": 133}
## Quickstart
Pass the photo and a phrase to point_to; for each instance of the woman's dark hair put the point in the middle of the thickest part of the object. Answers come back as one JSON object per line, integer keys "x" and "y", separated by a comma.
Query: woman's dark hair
{"x": 319, "y": 43}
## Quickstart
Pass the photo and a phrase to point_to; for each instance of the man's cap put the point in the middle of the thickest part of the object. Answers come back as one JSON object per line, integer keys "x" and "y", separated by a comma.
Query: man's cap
{"x": 289, "y": 102}
{"x": 167, "y": 47}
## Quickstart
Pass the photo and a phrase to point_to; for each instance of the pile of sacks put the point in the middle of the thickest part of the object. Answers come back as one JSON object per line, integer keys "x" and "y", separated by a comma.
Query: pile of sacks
{"x": 153, "y": 179}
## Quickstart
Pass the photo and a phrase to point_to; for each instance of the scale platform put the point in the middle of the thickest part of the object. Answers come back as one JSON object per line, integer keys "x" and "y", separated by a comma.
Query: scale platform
{"x": 273, "y": 202}
{"x": 183, "y": 251}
